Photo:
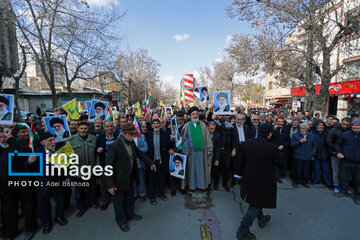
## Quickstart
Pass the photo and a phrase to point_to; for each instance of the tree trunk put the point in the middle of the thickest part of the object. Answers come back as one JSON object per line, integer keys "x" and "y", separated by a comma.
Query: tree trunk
{"x": 16, "y": 97}
{"x": 68, "y": 86}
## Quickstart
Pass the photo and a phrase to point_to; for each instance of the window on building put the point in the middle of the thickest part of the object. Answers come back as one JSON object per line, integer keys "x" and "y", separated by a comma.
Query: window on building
{"x": 58, "y": 84}
{"x": 57, "y": 75}
{"x": 105, "y": 81}
{"x": 270, "y": 86}
{"x": 56, "y": 67}
{"x": 352, "y": 70}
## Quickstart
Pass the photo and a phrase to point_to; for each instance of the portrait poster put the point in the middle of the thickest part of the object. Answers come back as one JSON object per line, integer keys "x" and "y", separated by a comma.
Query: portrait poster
{"x": 50, "y": 114}
{"x": 178, "y": 165}
{"x": 58, "y": 126}
{"x": 88, "y": 105}
{"x": 175, "y": 131}
{"x": 98, "y": 110}
{"x": 222, "y": 103}
{"x": 6, "y": 109}
{"x": 204, "y": 94}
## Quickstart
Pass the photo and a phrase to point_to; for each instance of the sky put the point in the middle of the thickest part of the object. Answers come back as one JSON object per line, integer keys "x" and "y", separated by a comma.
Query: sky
{"x": 181, "y": 35}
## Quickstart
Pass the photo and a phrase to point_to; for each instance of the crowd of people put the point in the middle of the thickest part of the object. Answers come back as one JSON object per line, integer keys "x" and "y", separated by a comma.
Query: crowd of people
{"x": 304, "y": 147}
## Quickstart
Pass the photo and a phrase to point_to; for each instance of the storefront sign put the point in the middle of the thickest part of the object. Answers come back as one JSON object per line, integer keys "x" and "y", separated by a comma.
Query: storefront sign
{"x": 352, "y": 86}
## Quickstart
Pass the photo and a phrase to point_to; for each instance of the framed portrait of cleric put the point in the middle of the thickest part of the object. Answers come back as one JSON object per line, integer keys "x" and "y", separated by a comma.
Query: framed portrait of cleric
{"x": 6, "y": 109}
{"x": 204, "y": 94}
{"x": 97, "y": 110}
{"x": 58, "y": 126}
{"x": 177, "y": 165}
{"x": 222, "y": 103}
{"x": 168, "y": 110}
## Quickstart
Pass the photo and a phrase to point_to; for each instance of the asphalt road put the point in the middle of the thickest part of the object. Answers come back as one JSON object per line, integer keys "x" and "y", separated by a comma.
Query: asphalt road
{"x": 302, "y": 214}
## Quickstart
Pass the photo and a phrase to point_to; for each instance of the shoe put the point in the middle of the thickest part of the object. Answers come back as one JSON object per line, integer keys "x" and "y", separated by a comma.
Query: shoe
{"x": 143, "y": 199}
{"x": 263, "y": 223}
{"x": 135, "y": 218}
{"x": 29, "y": 235}
{"x": 163, "y": 197}
{"x": 226, "y": 187}
{"x": 216, "y": 187}
{"x": 81, "y": 212}
{"x": 233, "y": 183}
{"x": 336, "y": 189}
{"x": 315, "y": 183}
{"x": 182, "y": 191}
{"x": 124, "y": 228}
{"x": 295, "y": 185}
{"x": 173, "y": 193}
{"x": 153, "y": 202}
{"x": 357, "y": 201}
{"x": 96, "y": 206}
{"x": 279, "y": 180}
{"x": 61, "y": 221}
{"x": 306, "y": 185}
{"x": 246, "y": 236}
{"x": 46, "y": 229}
{"x": 104, "y": 206}
{"x": 339, "y": 194}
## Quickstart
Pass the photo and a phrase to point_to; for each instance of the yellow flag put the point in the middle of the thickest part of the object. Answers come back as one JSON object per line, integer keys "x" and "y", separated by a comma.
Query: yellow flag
{"x": 67, "y": 150}
{"x": 246, "y": 111}
{"x": 162, "y": 104}
{"x": 80, "y": 107}
{"x": 138, "y": 107}
{"x": 192, "y": 104}
{"x": 72, "y": 109}
{"x": 180, "y": 96}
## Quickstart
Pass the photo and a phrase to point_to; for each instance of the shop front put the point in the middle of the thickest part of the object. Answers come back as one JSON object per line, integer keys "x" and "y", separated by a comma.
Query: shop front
{"x": 344, "y": 97}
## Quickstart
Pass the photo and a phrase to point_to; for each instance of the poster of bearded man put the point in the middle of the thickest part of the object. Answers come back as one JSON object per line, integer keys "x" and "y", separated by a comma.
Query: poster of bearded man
{"x": 97, "y": 110}
{"x": 58, "y": 126}
{"x": 177, "y": 165}
{"x": 6, "y": 109}
{"x": 222, "y": 103}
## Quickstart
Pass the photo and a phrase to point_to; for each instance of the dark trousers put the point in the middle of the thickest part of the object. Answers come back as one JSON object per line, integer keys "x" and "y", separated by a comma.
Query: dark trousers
{"x": 105, "y": 195}
{"x": 322, "y": 167}
{"x": 284, "y": 156}
{"x": 44, "y": 195}
{"x": 124, "y": 205}
{"x": 10, "y": 205}
{"x": 347, "y": 171}
{"x": 215, "y": 173}
{"x": 67, "y": 196}
{"x": 156, "y": 181}
{"x": 251, "y": 214}
{"x": 86, "y": 196}
{"x": 224, "y": 164}
{"x": 175, "y": 183}
{"x": 301, "y": 171}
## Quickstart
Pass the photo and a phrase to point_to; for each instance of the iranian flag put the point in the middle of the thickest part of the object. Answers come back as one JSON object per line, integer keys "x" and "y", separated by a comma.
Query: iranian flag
{"x": 31, "y": 134}
{"x": 147, "y": 105}
{"x": 136, "y": 125}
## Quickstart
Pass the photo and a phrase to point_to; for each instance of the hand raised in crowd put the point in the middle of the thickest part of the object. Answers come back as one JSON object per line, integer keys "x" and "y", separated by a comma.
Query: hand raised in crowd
{"x": 172, "y": 137}
{"x": 340, "y": 155}
{"x": 303, "y": 140}
{"x": 216, "y": 163}
{"x": 171, "y": 152}
{"x": 281, "y": 147}
{"x": 153, "y": 168}
{"x": 233, "y": 153}
{"x": 100, "y": 150}
{"x": 57, "y": 111}
{"x": 112, "y": 191}
{"x": 209, "y": 153}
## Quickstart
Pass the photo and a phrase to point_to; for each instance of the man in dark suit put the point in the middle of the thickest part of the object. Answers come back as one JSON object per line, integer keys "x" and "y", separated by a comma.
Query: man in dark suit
{"x": 243, "y": 134}
{"x": 215, "y": 167}
{"x": 281, "y": 139}
{"x": 255, "y": 123}
{"x": 122, "y": 155}
{"x": 159, "y": 143}
{"x": 258, "y": 185}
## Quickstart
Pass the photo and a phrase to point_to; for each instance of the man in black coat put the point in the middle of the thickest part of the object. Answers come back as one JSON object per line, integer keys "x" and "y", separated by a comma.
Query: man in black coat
{"x": 281, "y": 139}
{"x": 215, "y": 168}
{"x": 258, "y": 186}
{"x": 243, "y": 134}
{"x": 122, "y": 155}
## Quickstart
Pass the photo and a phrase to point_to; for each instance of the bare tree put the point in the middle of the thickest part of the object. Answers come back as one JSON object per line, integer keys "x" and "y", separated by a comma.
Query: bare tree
{"x": 57, "y": 30}
{"x": 138, "y": 74}
{"x": 296, "y": 40}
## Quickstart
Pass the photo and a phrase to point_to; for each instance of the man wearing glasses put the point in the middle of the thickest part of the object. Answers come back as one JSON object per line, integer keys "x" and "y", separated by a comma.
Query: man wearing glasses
{"x": 255, "y": 120}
